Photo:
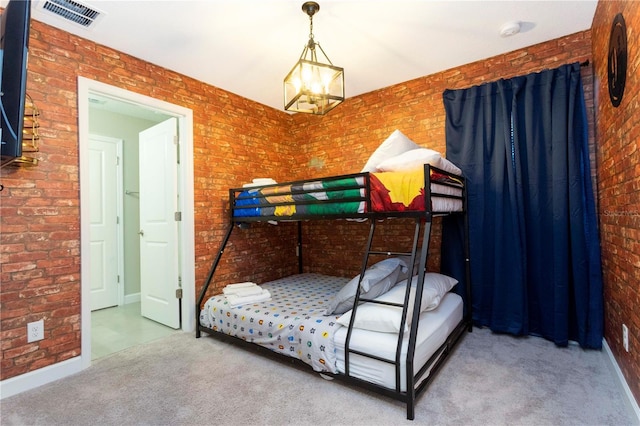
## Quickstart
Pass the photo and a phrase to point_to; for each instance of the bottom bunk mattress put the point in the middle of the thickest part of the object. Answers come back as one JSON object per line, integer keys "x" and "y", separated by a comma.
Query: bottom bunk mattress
{"x": 435, "y": 326}
{"x": 293, "y": 323}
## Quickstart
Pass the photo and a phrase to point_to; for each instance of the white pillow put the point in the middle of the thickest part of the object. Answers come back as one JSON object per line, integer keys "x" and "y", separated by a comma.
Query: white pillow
{"x": 386, "y": 319}
{"x": 382, "y": 318}
{"x": 389, "y": 264}
{"x": 404, "y": 271}
{"x": 395, "y": 144}
{"x": 377, "y": 280}
{"x": 410, "y": 160}
{"x": 415, "y": 158}
{"x": 448, "y": 166}
{"x": 435, "y": 287}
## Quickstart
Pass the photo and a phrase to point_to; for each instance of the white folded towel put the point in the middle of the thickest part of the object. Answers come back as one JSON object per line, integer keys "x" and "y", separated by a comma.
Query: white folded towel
{"x": 235, "y": 300}
{"x": 259, "y": 182}
{"x": 264, "y": 181}
{"x": 241, "y": 285}
{"x": 242, "y": 291}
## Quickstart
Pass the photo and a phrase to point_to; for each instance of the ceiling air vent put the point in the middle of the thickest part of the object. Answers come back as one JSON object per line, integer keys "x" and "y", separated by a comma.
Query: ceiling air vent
{"x": 72, "y": 11}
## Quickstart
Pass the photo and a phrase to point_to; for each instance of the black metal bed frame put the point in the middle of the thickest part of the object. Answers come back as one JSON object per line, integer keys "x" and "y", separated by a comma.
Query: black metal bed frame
{"x": 416, "y": 383}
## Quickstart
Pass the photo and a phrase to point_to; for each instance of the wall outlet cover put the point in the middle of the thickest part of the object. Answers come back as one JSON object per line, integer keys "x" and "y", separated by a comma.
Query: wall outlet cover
{"x": 35, "y": 331}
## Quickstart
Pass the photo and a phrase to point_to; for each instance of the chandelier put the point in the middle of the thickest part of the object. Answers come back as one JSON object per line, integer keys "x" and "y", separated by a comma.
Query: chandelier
{"x": 314, "y": 85}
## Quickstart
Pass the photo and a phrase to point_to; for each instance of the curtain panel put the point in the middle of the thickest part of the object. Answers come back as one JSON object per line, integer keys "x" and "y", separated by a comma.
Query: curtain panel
{"x": 534, "y": 245}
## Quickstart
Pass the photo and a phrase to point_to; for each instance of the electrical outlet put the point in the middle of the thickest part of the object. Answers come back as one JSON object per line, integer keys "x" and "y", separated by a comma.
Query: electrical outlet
{"x": 625, "y": 337}
{"x": 35, "y": 331}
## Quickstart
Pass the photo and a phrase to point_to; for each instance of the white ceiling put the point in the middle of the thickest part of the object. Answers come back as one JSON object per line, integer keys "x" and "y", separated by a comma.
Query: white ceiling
{"x": 248, "y": 46}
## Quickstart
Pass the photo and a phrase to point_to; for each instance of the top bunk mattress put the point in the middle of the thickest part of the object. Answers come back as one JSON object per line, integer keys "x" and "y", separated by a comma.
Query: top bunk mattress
{"x": 352, "y": 196}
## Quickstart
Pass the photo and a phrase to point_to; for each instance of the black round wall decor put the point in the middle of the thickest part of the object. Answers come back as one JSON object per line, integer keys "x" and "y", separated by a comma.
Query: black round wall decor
{"x": 617, "y": 61}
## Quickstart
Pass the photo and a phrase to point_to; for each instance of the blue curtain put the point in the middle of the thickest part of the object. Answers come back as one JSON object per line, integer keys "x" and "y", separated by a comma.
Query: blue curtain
{"x": 534, "y": 247}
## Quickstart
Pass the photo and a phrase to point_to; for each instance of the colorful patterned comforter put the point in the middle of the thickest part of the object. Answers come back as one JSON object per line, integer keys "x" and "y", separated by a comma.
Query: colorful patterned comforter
{"x": 321, "y": 197}
{"x": 349, "y": 195}
{"x": 292, "y": 323}
{"x": 405, "y": 191}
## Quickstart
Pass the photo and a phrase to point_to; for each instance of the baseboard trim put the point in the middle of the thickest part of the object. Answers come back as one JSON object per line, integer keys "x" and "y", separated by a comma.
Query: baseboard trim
{"x": 131, "y": 298}
{"x": 42, "y": 376}
{"x": 633, "y": 404}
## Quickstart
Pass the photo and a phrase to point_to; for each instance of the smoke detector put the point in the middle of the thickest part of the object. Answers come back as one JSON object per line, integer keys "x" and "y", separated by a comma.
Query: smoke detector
{"x": 509, "y": 29}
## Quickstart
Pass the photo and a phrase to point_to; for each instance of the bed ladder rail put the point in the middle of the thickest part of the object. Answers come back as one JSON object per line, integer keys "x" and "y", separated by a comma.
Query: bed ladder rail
{"x": 397, "y": 361}
{"x": 207, "y": 282}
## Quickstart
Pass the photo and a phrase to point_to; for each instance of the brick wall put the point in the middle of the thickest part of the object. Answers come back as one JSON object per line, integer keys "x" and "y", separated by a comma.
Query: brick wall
{"x": 234, "y": 140}
{"x": 618, "y": 135}
{"x": 342, "y": 141}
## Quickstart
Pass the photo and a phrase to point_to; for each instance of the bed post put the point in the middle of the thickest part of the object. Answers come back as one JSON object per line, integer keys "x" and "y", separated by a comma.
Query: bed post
{"x": 299, "y": 247}
{"x": 468, "y": 313}
{"x": 207, "y": 282}
{"x": 410, "y": 373}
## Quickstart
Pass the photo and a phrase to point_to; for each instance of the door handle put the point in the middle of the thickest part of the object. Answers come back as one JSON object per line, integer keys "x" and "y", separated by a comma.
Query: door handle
{"x": 141, "y": 233}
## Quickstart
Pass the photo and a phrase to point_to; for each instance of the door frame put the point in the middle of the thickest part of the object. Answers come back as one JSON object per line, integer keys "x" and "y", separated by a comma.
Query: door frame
{"x": 119, "y": 209}
{"x": 186, "y": 200}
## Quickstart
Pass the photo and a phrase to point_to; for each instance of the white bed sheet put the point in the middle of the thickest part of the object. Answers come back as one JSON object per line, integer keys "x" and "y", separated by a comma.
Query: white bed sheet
{"x": 445, "y": 204}
{"x": 435, "y": 327}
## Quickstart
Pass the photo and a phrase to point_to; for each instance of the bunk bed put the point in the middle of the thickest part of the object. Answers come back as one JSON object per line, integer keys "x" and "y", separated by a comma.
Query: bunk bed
{"x": 363, "y": 330}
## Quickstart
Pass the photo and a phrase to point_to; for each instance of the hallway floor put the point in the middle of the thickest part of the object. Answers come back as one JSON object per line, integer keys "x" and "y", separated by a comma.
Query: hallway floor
{"x": 121, "y": 327}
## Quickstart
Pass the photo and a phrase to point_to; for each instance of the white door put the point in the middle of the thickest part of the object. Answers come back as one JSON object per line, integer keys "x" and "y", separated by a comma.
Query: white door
{"x": 104, "y": 181}
{"x": 159, "y": 251}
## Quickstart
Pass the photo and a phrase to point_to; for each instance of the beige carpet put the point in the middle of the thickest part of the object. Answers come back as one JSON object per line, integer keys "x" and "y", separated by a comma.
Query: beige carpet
{"x": 179, "y": 380}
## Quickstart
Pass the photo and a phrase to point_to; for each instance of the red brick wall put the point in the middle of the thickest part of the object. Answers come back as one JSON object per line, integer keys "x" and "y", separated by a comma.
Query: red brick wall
{"x": 234, "y": 140}
{"x": 342, "y": 141}
{"x": 618, "y": 135}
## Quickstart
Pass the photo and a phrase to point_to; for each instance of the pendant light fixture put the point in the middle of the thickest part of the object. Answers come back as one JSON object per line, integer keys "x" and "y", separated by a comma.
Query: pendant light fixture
{"x": 314, "y": 85}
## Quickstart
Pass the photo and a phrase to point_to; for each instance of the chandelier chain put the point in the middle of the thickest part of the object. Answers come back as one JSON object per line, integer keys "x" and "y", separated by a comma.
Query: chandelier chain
{"x": 310, "y": 27}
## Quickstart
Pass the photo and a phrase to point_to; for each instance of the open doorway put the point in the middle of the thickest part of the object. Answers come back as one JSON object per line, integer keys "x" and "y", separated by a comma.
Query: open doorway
{"x": 109, "y": 112}
{"x": 117, "y": 320}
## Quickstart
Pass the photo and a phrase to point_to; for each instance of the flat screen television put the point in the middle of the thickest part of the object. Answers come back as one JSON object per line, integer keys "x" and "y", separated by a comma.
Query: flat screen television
{"x": 14, "y": 46}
